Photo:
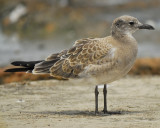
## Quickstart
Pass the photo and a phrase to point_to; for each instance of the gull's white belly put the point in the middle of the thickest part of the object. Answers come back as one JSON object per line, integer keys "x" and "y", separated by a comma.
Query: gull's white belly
{"x": 113, "y": 75}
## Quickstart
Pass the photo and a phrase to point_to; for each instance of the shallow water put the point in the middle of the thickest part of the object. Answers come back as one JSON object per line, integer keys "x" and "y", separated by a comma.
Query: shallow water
{"x": 12, "y": 48}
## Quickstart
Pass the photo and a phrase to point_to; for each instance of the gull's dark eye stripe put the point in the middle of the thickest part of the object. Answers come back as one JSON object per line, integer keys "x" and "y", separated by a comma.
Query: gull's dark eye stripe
{"x": 119, "y": 22}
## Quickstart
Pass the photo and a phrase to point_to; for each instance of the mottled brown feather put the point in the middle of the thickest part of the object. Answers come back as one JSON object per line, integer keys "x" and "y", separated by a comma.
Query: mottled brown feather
{"x": 83, "y": 53}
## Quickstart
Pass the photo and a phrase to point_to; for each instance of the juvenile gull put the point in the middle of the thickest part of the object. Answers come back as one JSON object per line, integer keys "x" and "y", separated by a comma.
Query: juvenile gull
{"x": 93, "y": 60}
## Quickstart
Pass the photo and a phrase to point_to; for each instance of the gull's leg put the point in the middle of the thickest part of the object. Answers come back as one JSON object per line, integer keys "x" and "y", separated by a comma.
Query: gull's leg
{"x": 105, "y": 98}
{"x": 96, "y": 99}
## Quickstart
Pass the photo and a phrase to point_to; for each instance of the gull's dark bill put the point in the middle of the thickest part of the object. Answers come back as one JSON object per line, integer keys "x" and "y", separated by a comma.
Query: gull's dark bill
{"x": 146, "y": 26}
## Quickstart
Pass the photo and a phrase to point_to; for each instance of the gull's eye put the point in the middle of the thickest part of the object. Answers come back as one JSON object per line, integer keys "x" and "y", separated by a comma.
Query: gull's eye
{"x": 131, "y": 23}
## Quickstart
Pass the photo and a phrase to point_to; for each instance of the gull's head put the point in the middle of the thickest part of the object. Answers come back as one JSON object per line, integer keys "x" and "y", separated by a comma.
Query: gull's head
{"x": 128, "y": 25}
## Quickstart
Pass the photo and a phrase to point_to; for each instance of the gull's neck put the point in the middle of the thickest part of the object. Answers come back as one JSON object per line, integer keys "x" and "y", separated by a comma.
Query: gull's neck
{"x": 122, "y": 36}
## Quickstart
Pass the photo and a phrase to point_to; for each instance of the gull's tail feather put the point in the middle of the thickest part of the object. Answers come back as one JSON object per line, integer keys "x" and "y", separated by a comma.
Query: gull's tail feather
{"x": 44, "y": 67}
{"x": 25, "y": 66}
{"x": 18, "y": 70}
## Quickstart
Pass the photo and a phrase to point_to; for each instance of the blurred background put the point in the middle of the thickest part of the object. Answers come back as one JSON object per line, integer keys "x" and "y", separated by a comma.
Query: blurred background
{"x": 33, "y": 29}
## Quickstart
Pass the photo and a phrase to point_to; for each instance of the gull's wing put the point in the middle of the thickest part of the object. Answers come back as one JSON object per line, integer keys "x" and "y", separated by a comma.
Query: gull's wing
{"x": 85, "y": 52}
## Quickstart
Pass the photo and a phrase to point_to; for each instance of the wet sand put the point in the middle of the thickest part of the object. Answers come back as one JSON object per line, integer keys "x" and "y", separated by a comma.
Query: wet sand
{"x": 45, "y": 104}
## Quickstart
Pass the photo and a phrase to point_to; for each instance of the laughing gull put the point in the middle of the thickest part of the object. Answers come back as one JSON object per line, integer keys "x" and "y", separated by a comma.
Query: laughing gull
{"x": 93, "y": 60}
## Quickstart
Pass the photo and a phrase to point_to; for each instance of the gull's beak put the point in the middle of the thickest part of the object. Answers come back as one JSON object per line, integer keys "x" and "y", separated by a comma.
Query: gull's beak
{"x": 146, "y": 26}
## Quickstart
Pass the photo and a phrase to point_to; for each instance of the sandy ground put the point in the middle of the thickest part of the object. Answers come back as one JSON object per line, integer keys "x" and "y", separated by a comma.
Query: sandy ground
{"x": 46, "y": 104}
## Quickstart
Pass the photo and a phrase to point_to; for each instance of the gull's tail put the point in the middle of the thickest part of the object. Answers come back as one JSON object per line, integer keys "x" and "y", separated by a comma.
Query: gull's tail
{"x": 24, "y": 66}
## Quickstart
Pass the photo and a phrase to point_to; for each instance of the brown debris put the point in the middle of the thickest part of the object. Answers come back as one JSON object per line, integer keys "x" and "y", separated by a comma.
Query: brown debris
{"x": 146, "y": 66}
{"x": 6, "y": 77}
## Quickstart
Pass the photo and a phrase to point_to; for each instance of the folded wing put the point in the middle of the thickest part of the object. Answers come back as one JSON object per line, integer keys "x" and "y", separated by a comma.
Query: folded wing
{"x": 70, "y": 63}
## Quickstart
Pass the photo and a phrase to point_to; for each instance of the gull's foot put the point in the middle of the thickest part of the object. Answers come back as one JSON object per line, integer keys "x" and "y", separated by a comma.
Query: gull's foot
{"x": 96, "y": 112}
{"x": 111, "y": 112}
{"x": 105, "y": 112}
